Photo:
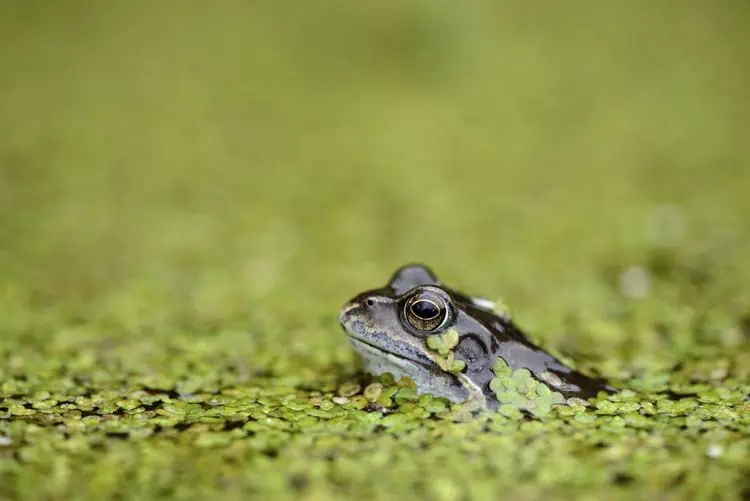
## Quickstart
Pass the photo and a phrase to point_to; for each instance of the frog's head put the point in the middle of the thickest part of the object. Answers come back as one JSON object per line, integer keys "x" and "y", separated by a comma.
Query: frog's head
{"x": 392, "y": 328}
{"x": 389, "y": 327}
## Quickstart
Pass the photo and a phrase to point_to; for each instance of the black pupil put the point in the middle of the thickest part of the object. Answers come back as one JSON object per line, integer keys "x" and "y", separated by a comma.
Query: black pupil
{"x": 424, "y": 309}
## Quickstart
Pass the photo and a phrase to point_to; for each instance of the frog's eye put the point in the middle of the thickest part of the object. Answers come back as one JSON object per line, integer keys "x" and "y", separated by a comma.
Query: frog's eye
{"x": 426, "y": 311}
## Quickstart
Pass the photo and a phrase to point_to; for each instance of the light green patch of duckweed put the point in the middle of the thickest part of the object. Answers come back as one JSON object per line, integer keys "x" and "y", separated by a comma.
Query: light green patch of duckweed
{"x": 520, "y": 390}
{"x": 443, "y": 344}
{"x": 373, "y": 391}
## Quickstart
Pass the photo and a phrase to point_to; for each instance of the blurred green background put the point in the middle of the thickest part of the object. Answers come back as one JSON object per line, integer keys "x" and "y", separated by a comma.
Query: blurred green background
{"x": 203, "y": 166}
{"x": 277, "y": 150}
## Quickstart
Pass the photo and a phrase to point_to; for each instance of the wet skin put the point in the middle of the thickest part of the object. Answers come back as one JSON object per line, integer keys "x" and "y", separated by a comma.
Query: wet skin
{"x": 389, "y": 326}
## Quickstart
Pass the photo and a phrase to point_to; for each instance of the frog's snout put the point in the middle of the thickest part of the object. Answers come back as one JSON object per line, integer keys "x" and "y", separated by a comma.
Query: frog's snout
{"x": 346, "y": 311}
{"x": 360, "y": 305}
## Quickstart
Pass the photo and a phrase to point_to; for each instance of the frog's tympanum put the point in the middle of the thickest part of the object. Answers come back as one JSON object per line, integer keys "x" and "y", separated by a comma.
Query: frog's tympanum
{"x": 457, "y": 346}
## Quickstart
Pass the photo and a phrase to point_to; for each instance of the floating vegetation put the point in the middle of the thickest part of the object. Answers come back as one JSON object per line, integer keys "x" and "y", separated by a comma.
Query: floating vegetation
{"x": 444, "y": 344}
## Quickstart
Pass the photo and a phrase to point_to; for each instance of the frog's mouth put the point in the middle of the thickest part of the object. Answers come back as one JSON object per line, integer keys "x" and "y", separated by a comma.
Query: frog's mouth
{"x": 396, "y": 358}
{"x": 428, "y": 377}
{"x": 383, "y": 344}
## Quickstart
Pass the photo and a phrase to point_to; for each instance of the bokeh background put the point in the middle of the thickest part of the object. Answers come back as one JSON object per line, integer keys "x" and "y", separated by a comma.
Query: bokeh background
{"x": 257, "y": 163}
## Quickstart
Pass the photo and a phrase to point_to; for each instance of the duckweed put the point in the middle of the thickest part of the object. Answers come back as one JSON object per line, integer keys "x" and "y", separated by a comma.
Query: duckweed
{"x": 190, "y": 190}
{"x": 270, "y": 427}
{"x": 520, "y": 390}
{"x": 443, "y": 344}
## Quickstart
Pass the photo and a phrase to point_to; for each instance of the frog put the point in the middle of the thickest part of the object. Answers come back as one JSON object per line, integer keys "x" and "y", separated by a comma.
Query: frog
{"x": 396, "y": 328}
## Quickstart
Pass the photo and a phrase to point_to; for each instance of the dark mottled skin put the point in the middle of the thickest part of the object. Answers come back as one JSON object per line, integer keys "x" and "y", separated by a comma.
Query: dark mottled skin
{"x": 483, "y": 336}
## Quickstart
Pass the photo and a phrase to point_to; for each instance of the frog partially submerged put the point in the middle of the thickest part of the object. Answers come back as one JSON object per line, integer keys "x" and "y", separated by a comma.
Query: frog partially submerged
{"x": 409, "y": 326}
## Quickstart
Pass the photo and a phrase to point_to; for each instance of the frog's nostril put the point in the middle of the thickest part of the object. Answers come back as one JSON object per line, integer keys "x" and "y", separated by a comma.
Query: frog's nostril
{"x": 370, "y": 302}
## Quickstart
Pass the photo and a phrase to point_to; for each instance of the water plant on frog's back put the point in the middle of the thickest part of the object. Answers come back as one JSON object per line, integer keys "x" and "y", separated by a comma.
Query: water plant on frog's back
{"x": 457, "y": 346}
